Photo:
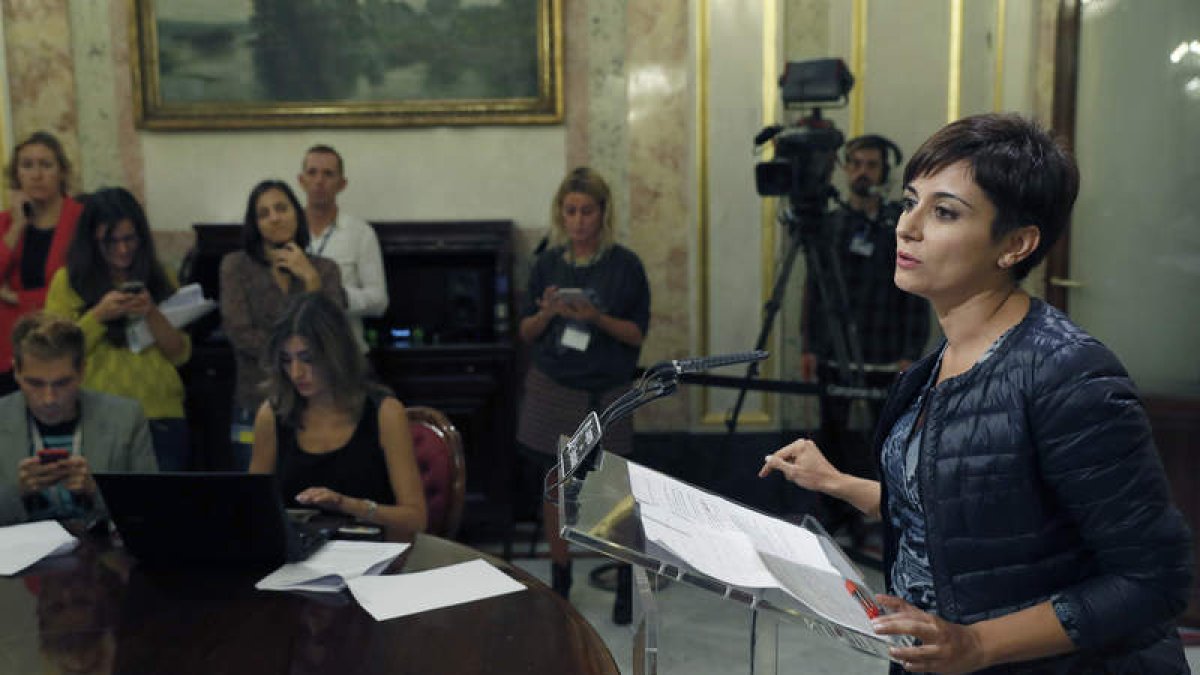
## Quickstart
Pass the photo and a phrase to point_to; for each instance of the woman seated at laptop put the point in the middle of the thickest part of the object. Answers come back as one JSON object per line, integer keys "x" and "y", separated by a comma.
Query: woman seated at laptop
{"x": 336, "y": 442}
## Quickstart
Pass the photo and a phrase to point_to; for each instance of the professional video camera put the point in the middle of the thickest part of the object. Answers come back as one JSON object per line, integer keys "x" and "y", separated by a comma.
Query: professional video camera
{"x": 805, "y": 153}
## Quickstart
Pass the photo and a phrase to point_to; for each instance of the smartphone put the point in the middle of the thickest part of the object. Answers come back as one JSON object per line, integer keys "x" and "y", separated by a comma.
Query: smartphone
{"x": 302, "y": 515}
{"x": 51, "y": 455}
{"x": 359, "y": 532}
{"x": 570, "y": 294}
{"x": 132, "y": 287}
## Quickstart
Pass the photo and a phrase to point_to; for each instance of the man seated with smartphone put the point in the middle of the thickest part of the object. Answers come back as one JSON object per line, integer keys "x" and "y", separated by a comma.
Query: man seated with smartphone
{"x": 54, "y": 433}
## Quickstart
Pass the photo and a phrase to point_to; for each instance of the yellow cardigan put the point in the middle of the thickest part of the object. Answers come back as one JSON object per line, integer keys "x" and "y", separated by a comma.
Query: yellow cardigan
{"x": 148, "y": 377}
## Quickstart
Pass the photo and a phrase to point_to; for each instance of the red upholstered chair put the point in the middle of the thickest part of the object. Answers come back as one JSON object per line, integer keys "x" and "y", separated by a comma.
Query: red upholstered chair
{"x": 437, "y": 446}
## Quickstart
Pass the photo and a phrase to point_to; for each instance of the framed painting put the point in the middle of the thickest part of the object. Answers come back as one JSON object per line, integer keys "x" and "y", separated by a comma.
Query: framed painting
{"x": 227, "y": 64}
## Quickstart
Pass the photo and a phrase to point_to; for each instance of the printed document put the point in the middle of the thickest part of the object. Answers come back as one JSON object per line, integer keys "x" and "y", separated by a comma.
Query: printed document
{"x": 743, "y": 547}
{"x": 329, "y": 568}
{"x": 396, "y": 595}
{"x": 182, "y": 308}
{"x": 23, "y": 545}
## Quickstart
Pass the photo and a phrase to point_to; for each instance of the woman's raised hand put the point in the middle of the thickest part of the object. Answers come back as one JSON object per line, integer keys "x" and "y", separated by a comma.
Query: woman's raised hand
{"x": 801, "y": 462}
{"x": 293, "y": 259}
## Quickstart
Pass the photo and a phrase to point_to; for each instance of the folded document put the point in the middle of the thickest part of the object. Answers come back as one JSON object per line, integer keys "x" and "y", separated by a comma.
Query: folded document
{"x": 329, "y": 568}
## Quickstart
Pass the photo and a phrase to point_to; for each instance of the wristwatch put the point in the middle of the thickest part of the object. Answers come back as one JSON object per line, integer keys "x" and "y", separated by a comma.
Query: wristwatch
{"x": 371, "y": 508}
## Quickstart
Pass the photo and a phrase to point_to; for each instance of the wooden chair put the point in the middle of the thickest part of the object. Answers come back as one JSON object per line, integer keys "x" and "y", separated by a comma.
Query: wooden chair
{"x": 437, "y": 447}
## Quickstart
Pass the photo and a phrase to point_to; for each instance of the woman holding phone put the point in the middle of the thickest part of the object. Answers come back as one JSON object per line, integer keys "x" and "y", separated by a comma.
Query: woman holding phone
{"x": 111, "y": 287}
{"x": 34, "y": 235}
{"x": 255, "y": 285}
{"x": 586, "y": 316}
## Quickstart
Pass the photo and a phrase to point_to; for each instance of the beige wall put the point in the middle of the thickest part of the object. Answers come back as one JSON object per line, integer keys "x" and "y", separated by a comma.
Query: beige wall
{"x": 680, "y": 163}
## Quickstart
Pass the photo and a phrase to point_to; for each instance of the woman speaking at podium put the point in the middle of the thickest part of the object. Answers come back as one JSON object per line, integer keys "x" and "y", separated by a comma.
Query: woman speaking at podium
{"x": 1025, "y": 511}
{"x": 586, "y": 317}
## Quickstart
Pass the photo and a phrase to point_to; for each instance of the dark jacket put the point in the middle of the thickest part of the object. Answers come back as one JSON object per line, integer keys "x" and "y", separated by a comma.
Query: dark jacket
{"x": 1039, "y": 476}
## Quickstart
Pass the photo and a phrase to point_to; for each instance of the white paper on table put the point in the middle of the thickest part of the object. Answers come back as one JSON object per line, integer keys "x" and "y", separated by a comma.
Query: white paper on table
{"x": 396, "y": 595}
{"x": 23, "y": 545}
{"x": 329, "y": 568}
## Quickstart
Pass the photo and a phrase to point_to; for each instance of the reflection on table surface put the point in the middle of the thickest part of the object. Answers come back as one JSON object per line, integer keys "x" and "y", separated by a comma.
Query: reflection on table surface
{"x": 98, "y": 611}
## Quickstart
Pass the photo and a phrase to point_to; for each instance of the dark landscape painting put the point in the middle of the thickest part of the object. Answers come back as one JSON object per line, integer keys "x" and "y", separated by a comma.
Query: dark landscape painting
{"x": 345, "y": 52}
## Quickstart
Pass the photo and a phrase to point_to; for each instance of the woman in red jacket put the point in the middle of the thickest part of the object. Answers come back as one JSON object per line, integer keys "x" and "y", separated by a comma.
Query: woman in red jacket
{"x": 34, "y": 235}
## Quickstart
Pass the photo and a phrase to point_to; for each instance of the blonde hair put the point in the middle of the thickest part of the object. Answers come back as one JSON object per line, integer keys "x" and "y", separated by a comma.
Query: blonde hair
{"x": 584, "y": 181}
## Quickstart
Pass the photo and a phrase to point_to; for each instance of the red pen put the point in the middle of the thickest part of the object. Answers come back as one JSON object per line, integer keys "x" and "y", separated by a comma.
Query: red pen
{"x": 867, "y": 603}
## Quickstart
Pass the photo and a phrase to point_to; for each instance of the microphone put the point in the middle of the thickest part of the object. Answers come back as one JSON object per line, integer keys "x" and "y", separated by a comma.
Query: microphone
{"x": 27, "y": 211}
{"x": 703, "y": 363}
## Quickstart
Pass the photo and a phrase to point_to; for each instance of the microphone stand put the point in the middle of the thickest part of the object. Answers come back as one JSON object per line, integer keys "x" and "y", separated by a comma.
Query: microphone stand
{"x": 658, "y": 381}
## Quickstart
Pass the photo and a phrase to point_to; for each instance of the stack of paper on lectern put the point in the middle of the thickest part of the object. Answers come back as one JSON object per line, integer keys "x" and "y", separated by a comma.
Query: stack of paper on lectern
{"x": 182, "y": 308}
{"x": 329, "y": 568}
{"x": 744, "y": 548}
{"x": 23, "y": 545}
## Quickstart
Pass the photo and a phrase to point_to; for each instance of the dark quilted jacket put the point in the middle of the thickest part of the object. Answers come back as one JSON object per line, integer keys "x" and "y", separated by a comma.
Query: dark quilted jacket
{"x": 1038, "y": 476}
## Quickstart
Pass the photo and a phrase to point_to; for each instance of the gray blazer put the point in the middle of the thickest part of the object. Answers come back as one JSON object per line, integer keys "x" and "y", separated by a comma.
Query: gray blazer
{"x": 114, "y": 438}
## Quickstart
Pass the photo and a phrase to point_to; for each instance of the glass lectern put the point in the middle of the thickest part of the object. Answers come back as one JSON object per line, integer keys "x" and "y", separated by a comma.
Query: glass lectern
{"x": 598, "y": 511}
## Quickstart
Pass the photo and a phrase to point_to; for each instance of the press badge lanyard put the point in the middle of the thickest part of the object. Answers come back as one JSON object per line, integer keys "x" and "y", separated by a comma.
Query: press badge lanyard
{"x": 324, "y": 239}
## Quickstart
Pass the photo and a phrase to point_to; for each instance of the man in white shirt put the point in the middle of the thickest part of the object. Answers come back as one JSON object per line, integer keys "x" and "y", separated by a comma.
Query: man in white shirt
{"x": 348, "y": 241}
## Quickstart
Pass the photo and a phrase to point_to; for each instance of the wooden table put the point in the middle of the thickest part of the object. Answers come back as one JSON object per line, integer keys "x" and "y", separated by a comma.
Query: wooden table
{"x": 98, "y": 611}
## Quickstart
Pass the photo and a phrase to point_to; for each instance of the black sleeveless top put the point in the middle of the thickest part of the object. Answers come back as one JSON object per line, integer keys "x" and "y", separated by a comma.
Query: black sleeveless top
{"x": 357, "y": 469}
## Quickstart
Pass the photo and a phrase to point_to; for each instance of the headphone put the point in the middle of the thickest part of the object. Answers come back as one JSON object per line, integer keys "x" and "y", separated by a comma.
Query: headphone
{"x": 880, "y": 142}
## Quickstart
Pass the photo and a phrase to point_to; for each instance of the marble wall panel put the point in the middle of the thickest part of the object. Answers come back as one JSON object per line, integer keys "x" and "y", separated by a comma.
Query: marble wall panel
{"x": 659, "y": 182}
{"x": 41, "y": 78}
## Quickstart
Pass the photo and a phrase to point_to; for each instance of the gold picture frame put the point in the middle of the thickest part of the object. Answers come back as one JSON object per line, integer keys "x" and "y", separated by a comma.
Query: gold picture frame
{"x": 233, "y": 64}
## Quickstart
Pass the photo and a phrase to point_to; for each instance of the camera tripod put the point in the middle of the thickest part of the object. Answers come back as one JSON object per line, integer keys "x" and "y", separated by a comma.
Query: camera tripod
{"x": 808, "y": 227}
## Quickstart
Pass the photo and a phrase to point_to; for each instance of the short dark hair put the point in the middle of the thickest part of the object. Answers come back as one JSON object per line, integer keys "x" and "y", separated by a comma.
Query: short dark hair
{"x": 87, "y": 268}
{"x": 322, "y": 324}
{"x": 50, "y": 141}
{"x": 1029, "y": 176}
{"x": 48, "y": 337}
{"x": 323, "y": 149}
{"x": 252, "y": 241}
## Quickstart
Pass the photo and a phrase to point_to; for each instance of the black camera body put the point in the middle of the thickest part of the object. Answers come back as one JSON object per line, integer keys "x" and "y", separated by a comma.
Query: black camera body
{"x": 805, "y": 153}
{"x": 803, "y": 164}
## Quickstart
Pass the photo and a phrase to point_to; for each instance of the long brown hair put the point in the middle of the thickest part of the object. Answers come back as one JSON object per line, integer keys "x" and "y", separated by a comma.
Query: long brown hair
{"x": 323, "y": 325}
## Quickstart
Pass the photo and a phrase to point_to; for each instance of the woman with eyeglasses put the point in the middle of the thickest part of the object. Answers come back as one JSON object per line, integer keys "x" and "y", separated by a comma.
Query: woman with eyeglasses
{"x": 34, "y": 235}
{"x": 112, "y": 286}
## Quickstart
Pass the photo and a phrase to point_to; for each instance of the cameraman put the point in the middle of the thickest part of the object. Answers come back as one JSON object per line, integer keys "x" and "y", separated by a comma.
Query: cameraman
{"x": 893, "y": 326}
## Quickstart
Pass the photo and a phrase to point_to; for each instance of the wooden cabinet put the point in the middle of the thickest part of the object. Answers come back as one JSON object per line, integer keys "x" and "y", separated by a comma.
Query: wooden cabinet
{"x": 473, "y": 386}
{"x": 447, "y": 340}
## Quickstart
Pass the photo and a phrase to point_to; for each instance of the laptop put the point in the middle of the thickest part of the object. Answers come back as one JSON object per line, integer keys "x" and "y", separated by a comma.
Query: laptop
{"x": 200, "y": 517}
